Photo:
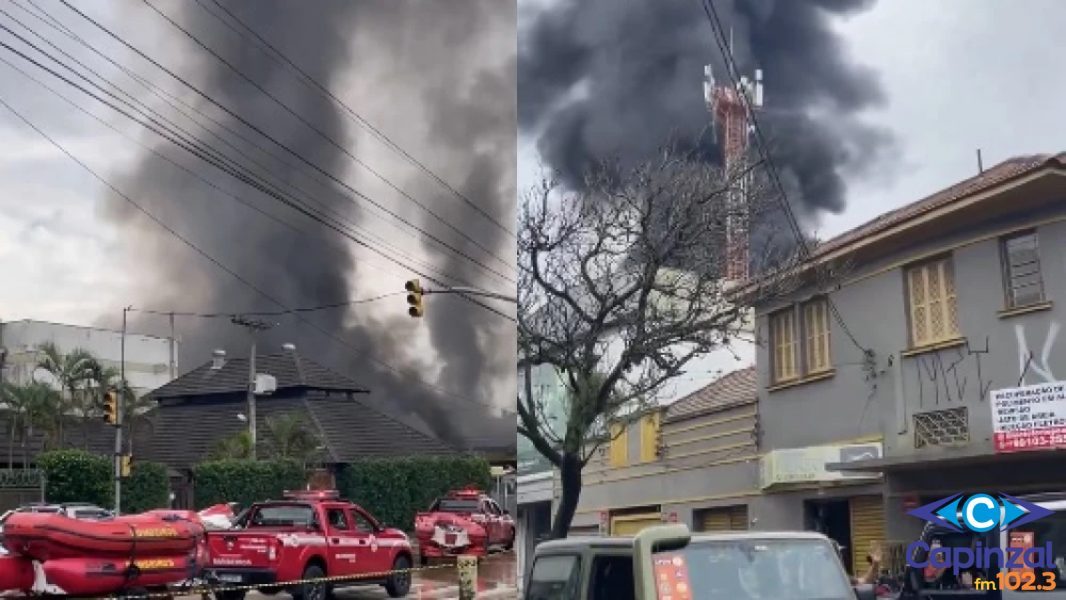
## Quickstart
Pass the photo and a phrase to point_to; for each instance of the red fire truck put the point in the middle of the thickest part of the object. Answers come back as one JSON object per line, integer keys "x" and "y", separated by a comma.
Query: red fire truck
{"x": 465, "y": 521}
{"x": 309, "y": 536}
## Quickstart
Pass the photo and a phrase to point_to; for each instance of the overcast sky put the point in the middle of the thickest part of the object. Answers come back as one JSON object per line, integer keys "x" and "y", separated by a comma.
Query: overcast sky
{"x": 72, "y": 252}
{"x": 958, "y": 75}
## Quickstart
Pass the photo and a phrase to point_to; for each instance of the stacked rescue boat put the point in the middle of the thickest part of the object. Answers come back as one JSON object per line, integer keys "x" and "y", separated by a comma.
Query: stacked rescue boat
{"x": 80, "y": 557}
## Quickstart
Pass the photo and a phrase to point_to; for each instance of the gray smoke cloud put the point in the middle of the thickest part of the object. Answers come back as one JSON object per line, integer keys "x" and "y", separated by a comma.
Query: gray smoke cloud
{"x": 615, "y": 79}
{"x": 441, "y": 80}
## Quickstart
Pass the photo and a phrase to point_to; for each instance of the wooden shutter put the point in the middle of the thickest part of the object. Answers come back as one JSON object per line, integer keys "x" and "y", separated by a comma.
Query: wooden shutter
{"x": 933, "y": 303}
{"x": 732, "y": 518}
{"x": 867, "y": 528}
{"x": 783, "y": 339}
{"x": 738, "y": 518}
{"x": 619, "y": 455}
{"x": 816, "y": 335}
{"x": 715, "y": 519}
{"x": 649, "y": 437}
{"x": 634, "y": 524}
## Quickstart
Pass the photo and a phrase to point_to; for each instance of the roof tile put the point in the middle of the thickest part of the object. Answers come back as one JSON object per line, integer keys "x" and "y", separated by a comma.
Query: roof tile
{"x": 731, "y": 389}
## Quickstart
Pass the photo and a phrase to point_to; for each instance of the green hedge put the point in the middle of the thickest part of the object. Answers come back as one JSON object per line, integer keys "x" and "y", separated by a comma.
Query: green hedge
{"x": 246, "y": 481}
{"x": 79, "y": 476}
{"x": 147, "y": 488}
{"x": 394, "y": 489}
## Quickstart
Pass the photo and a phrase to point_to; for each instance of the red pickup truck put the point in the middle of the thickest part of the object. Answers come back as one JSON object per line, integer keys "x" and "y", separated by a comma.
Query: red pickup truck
{"x": 466, "y": 521}
{"x": 306, "y": 536}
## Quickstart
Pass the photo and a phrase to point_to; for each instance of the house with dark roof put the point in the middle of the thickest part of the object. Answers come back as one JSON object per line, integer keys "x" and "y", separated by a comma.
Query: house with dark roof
{"x": 694, "y": 461}
{"x": 926, "y": 367}
{"x": 210, "y": 403}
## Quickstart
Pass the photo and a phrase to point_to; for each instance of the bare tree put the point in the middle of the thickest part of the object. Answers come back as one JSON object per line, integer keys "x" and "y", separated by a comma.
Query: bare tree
{"x": 621, "y": 284}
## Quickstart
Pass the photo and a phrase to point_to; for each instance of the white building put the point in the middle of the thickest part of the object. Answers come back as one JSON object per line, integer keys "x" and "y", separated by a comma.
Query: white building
{"x": 151, "y": 361}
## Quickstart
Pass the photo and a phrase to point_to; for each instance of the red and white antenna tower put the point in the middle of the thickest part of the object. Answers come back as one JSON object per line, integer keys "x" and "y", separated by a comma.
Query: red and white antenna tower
{"x": 731, "y": 117}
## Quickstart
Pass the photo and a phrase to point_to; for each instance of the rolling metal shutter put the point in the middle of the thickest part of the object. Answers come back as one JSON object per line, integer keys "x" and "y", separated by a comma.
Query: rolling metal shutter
{"x": 633, "y": 524}
{"x": 733, "y": 518}
{"x": 867, "y": 528}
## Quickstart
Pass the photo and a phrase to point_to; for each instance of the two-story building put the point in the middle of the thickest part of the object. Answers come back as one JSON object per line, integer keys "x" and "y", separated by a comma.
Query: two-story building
{"x": 892, "y": 384}
{"x": 694, "y": 461}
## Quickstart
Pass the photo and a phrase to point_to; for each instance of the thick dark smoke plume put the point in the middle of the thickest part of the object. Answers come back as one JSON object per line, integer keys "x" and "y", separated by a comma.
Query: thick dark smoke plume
{"x": 438, "y": 78}
{"x": 617, "y": 78}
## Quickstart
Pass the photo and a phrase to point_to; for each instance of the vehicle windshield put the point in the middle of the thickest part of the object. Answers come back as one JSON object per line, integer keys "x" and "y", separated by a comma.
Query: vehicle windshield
{"x": 457, "y": 505}
{"x": 91, "y": 514}
{"x": 281, "y": 515}
{"x": 753, "y": 569}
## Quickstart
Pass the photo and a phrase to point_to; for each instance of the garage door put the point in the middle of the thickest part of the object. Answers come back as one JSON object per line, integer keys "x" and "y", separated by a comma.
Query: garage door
{"x": 867, "y": 528}
{"x": 633, "y": 524}
{"x": 731, "y": 518}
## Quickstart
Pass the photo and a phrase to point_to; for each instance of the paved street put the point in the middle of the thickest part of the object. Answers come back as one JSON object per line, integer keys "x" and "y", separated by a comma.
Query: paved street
{"x": 496, "y": 581}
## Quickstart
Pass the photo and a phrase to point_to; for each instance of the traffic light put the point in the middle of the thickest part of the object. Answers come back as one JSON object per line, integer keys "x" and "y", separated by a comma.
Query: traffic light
{"x": 414, "y": 298}
{"x": 125, "y": 466}
{"x": 111, "y": 407}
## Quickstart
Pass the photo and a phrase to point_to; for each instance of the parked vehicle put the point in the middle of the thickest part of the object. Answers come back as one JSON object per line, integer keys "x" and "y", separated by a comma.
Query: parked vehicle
{"x": 466, "y": 521}
{"x": 308, "y": 536}
{"x": 667, "y": 562}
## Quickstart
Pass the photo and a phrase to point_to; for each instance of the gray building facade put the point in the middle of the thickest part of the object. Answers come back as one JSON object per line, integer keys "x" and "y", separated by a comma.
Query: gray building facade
{"x": 889, "y": 392}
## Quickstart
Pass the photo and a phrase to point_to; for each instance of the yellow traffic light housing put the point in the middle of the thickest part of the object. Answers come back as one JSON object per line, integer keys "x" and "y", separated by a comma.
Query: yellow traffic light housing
{"x": 126, "y": 466}
{"x": 414, "y": 298}
{"x": 111, "y": 407}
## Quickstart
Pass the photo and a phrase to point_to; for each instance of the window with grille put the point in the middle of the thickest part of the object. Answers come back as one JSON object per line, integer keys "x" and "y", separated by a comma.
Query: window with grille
{"x": 949, "y": 427}
{"x": 934, "y": 313}
{"x": 1021, "y": 271}
{"x": 816, "y": 335}
{"x": 784, "y": 344}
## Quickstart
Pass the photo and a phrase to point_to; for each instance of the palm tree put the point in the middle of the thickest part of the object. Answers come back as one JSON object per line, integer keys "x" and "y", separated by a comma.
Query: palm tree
{"x": 291, "y": 437}
{"x": 70, "y": 372}
{"x": 235, "y": 447}
{"x": 29, "y": 405}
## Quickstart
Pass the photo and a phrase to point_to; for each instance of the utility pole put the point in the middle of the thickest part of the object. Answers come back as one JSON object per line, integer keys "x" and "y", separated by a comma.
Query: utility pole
{"x": 253, "y": 327}
{"x": 119, "y": 408}
{"x": 173, "y": 363}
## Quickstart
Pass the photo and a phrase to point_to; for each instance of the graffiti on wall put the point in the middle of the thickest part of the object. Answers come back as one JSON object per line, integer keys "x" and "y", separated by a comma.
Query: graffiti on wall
{"x": 948, "y": 375}
{"x": 1031, "y": 368}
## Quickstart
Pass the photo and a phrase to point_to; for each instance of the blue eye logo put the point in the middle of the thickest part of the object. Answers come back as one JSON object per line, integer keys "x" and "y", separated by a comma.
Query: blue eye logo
{"x": 980, "y": 512}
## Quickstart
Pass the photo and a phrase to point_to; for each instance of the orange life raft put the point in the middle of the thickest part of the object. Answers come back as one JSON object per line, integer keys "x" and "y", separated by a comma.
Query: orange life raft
{"x": 48, "y": 537}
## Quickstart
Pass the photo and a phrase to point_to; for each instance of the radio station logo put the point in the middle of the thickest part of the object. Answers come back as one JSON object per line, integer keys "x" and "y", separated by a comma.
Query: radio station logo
{"x": 980, "y": 514}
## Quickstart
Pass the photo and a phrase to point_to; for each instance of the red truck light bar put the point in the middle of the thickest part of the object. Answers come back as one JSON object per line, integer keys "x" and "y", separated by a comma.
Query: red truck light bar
{"x": 312, "y": 495}
{"x": 467, "y": 493}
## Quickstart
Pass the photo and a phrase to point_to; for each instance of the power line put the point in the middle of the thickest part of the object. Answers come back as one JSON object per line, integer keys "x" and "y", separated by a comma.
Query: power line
{"x": 265, "y": 313}
{"x": 197, "y": 142}
{"x": 278, "y": 143}
{"x": 321, "y": 133}
{"x": 192, "y": 245}
{"x": 172, "y": 100}
{"x": 249, "y": 181}
{"x": 359, "y": 118}
{"x": 734, "y": 76}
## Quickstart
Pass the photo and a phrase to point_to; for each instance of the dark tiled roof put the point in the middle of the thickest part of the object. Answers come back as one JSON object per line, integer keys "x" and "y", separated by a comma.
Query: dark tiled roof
{"x": 1008, "y": 169}
{"x": 91, "y": 434}
{"x": 185, "y": 433}
{"x": 290, "y": 369}
{"x": 732, "y": 389}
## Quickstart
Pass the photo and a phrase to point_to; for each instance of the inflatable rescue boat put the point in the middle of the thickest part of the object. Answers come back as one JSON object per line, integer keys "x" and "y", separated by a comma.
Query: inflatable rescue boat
{"x": 50, "y": 537}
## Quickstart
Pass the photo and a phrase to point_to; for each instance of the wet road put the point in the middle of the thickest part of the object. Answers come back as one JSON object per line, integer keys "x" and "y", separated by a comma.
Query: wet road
{"x": 497, "y": 580}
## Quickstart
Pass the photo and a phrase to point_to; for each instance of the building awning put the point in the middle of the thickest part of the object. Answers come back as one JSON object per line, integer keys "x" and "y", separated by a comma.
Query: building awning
{"x": 954, "y": 459}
